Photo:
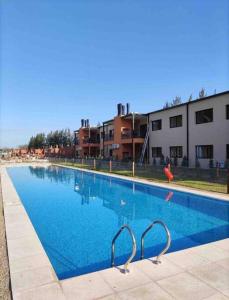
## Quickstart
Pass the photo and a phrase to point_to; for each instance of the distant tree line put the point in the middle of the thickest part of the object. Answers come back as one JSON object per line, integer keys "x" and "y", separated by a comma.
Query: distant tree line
{"x": 177, "y": 100}
{"x": 62, "y": 137}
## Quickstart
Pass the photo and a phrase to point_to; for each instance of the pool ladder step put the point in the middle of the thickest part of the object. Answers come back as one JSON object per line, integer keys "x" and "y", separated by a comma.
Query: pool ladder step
{"x": 134, "y": 245}
{"x": 167, "y": 243}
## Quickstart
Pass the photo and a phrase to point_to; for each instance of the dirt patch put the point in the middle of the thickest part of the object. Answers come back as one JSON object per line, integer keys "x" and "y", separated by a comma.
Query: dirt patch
{"x": 5, "y": 293}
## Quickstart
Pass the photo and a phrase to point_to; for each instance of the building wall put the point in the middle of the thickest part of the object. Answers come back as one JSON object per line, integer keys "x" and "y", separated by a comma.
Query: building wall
{"x": 214, "y": 133}
{"x": 91, "y": 149}
{"x": 167, "y": 136}
{"x": 119, "y": 124}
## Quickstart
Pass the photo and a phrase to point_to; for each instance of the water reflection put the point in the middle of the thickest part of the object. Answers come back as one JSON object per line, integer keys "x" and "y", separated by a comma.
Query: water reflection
{"x": 131, "y": 201}
{"x": 53, "y": 173}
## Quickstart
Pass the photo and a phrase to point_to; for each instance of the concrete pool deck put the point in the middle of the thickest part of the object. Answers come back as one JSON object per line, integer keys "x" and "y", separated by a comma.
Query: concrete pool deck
{"x": 201, "y": 272}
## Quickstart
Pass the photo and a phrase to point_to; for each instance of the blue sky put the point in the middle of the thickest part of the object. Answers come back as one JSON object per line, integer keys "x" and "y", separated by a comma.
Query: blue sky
{"x": 66, "y": 60}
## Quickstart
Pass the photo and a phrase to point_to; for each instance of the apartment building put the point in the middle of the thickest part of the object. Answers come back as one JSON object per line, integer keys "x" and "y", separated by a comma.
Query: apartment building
{"x": 197, "y": 130}
{"x": 123, "y": 136}
{"x": 87, "y": 140}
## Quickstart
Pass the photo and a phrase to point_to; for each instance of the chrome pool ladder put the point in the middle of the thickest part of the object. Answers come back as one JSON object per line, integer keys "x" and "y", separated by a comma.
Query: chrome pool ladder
{"x": 167, "y": 243}
{"x": 134, "y": 247}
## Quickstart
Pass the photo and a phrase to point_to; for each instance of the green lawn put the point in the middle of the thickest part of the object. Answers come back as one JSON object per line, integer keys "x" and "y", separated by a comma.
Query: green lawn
{"x": 198, "y": 183}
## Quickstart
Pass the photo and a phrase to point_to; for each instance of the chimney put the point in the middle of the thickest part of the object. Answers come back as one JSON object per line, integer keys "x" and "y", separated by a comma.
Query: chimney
{"x": 119, "y": 108}
{"x": 82, "y": 122}
{"x": 127, "y": 108}
{"x": 123, "y": 110}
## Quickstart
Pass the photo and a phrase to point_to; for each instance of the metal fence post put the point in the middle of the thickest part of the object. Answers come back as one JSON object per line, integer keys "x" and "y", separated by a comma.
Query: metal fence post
{"x": 94, "y": 164}
{"x": 133, "y": 168}
{"x": 110, "y": 166}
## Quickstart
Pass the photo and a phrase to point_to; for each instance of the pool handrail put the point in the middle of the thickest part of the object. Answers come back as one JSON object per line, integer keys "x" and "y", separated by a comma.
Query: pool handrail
{"x": 134, "y": 247}
{"x": 167, "y": 243}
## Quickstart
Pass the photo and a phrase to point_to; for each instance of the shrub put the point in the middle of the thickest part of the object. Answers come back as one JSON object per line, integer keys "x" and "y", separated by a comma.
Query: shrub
{"x": 167, "y": 161}
{"x": 211, "y": 163}
{"x": 184, "y": 162}
{"x": 197, "y": 163}
{"x": 175, "y": 161}
{"x": 162, "y": 160}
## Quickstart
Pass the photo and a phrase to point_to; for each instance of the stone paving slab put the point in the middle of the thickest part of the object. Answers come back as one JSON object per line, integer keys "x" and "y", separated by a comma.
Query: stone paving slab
{"x": 195, "y": 273}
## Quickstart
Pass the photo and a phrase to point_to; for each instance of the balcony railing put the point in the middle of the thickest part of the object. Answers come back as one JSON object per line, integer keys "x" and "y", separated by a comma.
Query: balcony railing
{"x": 91, "y": 141}
{"x": 108, "y": 137}
{"x": 130, "y": 134}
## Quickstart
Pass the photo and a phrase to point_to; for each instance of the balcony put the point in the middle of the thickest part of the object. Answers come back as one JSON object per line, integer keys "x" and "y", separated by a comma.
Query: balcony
{"x": 108, "y": 137}
{"x": 91, "y": 141}
{"x": 129, "y": 134}
{"x": 76, "y": 142}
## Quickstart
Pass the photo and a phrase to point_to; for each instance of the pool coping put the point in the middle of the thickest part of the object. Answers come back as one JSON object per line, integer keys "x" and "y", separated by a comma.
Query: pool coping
{"x": 32, "y": 273}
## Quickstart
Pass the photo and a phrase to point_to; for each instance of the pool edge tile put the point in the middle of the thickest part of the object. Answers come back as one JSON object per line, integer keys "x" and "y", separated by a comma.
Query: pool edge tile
{"x": 11, "y": 199}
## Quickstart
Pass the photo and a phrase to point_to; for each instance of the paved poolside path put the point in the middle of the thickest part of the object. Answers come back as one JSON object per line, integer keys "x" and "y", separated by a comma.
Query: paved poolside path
{"x": 195, "y": 273}
{"x": 4, "y": 267}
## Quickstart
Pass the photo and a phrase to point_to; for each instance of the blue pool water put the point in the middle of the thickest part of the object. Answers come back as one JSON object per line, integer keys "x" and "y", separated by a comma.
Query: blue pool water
{"x": 76, "y": 214}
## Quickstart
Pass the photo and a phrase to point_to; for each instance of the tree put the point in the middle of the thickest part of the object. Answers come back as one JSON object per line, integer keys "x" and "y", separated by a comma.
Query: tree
{"x": 31, "y": 143}
{"x": 166, "y": 105}
{"x": 37, "y": 142}
{"x": 176, "y": 101}
{"x": 62, "y": 137}
{"x": 202, "y": 93}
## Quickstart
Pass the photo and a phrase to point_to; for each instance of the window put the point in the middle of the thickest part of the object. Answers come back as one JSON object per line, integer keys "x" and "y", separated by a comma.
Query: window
{"x": 204, "y": 151}
{"x": 156, "y": 152}
{"x": 227, "y": 111}
{"x": 111, "y": 133}
{"x": 156, "y": 125}
{"x": 227, "y": 150}
{"x": 175, "y": 121}
{"x": 176, "y": 151}
{"x": 204, "y": 116}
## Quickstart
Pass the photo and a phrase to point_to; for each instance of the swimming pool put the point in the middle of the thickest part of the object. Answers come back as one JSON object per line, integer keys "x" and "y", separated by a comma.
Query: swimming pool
{"x": 76, "y": 215}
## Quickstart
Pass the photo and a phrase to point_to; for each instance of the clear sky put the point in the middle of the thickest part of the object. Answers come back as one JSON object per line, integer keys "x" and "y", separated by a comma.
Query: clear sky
{"x": 64, "y": 60}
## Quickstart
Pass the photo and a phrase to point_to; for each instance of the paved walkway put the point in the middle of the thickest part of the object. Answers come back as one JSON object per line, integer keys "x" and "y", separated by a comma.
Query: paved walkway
{"x": 4, "y": 267}
{"x": 196, "y": 273}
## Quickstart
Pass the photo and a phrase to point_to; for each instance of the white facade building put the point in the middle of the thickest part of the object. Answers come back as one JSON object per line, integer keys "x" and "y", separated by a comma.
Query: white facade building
{"x": 197, "y": 130}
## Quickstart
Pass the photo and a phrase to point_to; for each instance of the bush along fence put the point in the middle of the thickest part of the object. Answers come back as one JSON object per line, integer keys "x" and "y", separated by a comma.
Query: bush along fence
{"x": 213, "y": 179}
